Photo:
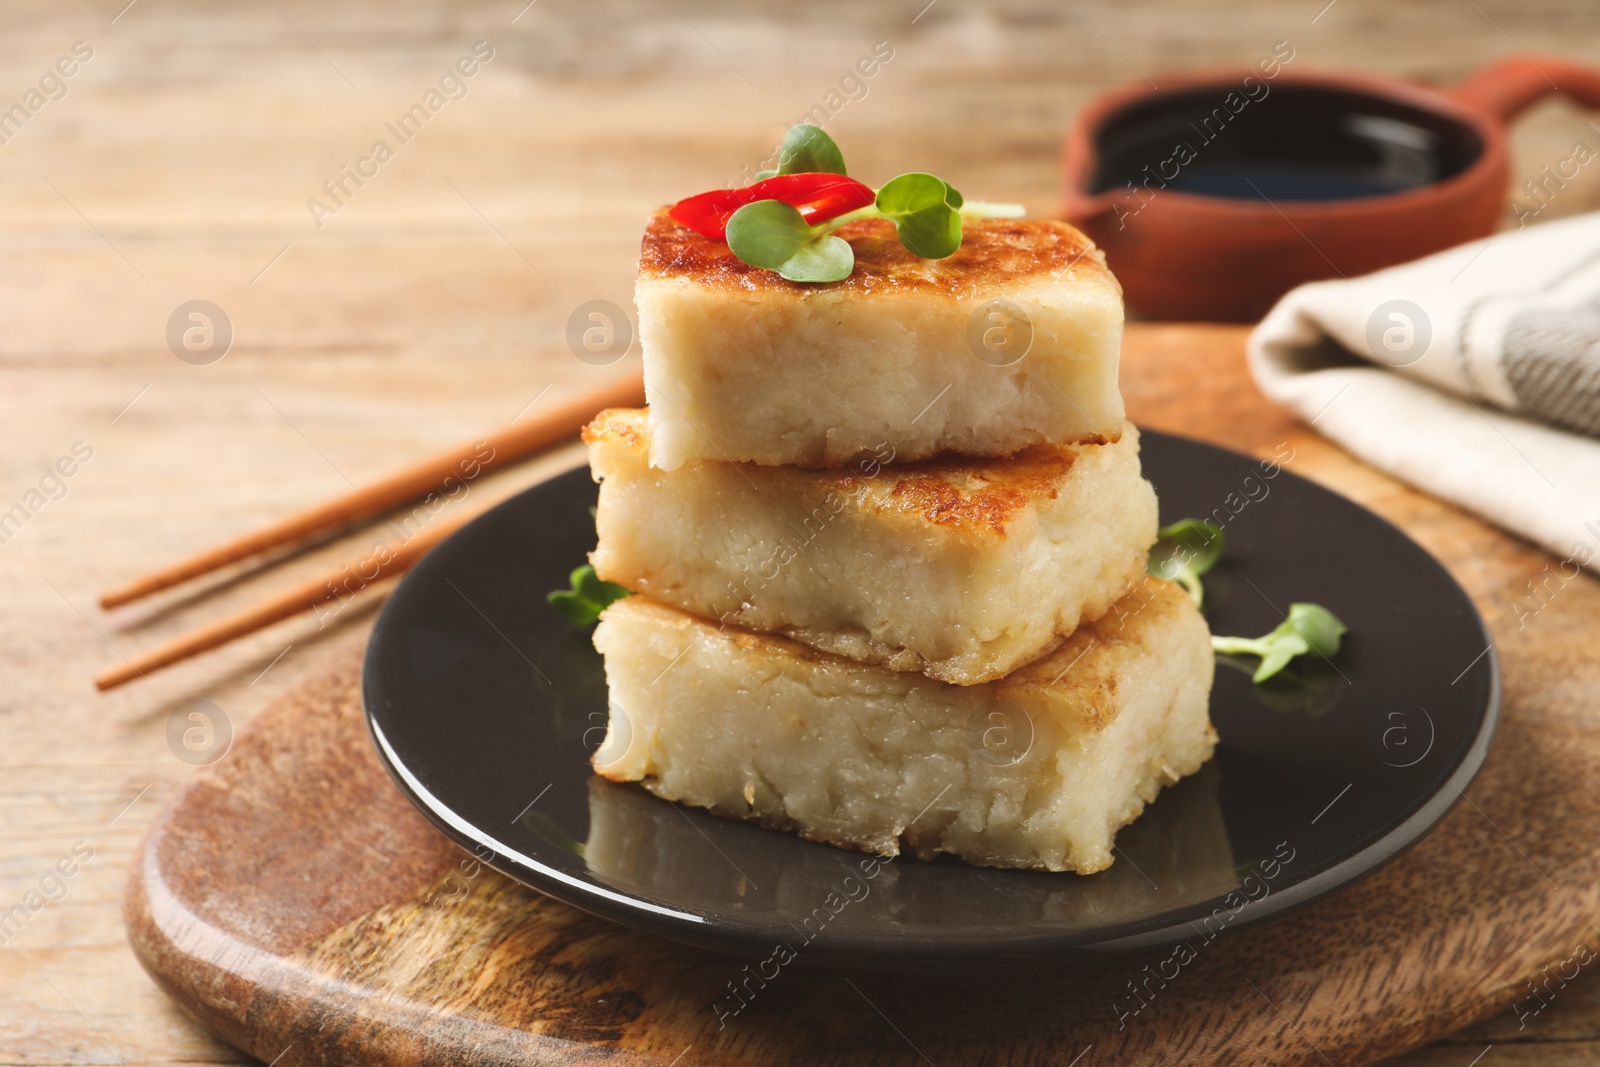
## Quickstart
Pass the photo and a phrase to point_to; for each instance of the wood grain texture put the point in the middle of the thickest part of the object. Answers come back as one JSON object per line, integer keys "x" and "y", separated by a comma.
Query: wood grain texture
{"x": 350, "y": 932}
{"x": 178, "y": 166}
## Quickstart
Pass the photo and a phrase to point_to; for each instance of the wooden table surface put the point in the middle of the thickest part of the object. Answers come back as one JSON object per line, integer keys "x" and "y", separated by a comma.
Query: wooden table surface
{"x": 434, "y": 304}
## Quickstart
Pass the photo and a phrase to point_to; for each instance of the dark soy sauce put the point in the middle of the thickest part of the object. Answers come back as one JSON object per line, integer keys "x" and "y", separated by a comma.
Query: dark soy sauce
{"x": 1294, "y": 142}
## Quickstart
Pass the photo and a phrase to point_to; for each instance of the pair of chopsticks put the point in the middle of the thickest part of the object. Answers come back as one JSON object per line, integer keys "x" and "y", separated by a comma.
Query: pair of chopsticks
{"x": 516, "y": 442}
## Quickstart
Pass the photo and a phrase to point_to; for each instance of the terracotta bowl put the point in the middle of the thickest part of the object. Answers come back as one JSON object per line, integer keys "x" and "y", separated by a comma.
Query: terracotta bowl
{"x": 1182, "y": 251}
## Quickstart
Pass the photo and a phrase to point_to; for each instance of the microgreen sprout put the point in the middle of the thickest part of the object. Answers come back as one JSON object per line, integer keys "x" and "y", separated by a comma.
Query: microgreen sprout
{"x": 1191, "y": 547}
{"x": 807, "y": 150}
{"x": 1184, "y": 551}
{"x": 771, "y": 234}
{"x": 785, "y": 221}
{"x": 1309, "y": 628}
{"x": 926, "y": 212}
{"x": 588, "y": 597}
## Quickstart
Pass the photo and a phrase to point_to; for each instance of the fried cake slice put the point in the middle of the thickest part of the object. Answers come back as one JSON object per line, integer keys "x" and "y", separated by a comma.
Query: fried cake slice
{"x": 1013, "y": 341}
{"x": 963, "y": 569}
{"x": 1037, "y": 770}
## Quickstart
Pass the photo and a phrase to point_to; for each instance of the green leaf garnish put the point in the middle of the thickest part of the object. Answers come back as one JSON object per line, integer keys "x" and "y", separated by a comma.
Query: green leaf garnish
{"x": 1189, "y": 548}
{"x": 588, "y": 597}
{"x": 1309, "y": 628}
{"x": 1184, "y": 551}
{"x": 807, "y": 150}
{"x": 926, "y": 211}
{"x": 773, "y": 235}
{"x": 767, "y": 233}
{"x": 826, "y": 259}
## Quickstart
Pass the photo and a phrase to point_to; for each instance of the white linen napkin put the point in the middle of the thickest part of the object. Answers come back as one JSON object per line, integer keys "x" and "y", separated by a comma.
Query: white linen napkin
{"x": 1473, "y": 374}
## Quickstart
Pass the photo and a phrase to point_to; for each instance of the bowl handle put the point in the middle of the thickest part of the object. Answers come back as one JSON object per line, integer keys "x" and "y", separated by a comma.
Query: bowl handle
{"x": 1506, "y": 87}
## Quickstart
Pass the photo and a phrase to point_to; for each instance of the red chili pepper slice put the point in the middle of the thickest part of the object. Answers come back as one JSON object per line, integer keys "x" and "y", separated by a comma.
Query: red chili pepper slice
{"x": 819, "y": 197}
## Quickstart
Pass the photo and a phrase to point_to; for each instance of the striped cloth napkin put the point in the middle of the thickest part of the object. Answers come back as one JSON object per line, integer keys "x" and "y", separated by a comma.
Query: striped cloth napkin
{"x": 1473, "y": 374}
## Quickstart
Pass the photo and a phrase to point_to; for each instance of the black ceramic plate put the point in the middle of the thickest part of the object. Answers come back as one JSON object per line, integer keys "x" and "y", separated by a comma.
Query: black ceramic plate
{"x": 485, "y": 705}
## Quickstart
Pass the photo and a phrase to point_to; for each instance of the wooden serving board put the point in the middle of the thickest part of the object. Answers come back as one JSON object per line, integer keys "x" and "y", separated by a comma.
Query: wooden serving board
{"x": 294, "y": 903}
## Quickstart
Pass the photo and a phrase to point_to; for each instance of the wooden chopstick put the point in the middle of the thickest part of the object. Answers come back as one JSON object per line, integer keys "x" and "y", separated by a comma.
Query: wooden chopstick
{"x": 348, "y": 580}
{"x": 513, "y": 443}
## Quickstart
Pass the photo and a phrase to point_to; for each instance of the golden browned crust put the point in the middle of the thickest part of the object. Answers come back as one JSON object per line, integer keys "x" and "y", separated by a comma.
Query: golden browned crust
{"x": 1127, "y": 628}
{"x": 993, "y": 253}
{"x": 624, "y": 425}
{"x": 970, "y": 495}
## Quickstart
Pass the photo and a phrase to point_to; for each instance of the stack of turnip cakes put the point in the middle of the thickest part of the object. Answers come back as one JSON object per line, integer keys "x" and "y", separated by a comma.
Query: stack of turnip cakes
{"x": 887, "y": 541}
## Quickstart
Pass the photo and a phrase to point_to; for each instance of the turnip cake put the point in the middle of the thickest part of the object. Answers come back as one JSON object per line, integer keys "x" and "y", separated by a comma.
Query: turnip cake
{"x": 963, "y": 569}
{"x": 1012, "y": 341}
{"x": 1037, "y": 770}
